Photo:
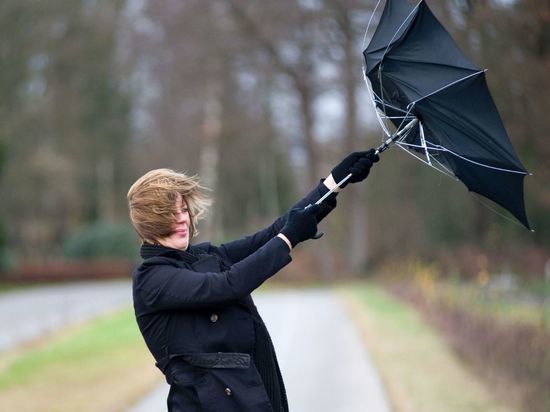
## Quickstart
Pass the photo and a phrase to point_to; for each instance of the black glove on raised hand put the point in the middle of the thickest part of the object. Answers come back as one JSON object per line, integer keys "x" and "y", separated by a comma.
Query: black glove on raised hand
{"x": 326, "y": 207}
{"x": 301, "y": 224}
{"x": 358, "y": 164}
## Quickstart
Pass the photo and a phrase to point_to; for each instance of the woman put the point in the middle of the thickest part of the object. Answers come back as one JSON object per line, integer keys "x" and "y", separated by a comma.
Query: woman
{"x": 193, "y": 303}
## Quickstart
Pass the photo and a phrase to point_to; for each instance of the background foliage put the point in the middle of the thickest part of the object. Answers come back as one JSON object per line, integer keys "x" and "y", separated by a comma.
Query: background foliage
{"x": 259, "y": 99}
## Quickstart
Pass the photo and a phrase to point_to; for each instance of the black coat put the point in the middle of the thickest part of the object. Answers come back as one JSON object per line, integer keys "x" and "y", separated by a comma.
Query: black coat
{"x": 198, "y": 319}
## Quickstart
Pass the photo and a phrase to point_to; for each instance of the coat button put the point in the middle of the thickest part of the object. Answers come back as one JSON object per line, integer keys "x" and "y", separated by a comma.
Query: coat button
{"x": 214, "y": 317}
{"x": 228, "y": 392}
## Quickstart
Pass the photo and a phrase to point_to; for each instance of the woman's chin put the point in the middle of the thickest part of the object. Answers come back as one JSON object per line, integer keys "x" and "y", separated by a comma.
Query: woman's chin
{"x": 180, "y": 243}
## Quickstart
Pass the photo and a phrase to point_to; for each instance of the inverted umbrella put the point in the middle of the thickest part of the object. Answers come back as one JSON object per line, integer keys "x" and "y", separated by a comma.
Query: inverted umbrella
{"x": 440, "y": 105}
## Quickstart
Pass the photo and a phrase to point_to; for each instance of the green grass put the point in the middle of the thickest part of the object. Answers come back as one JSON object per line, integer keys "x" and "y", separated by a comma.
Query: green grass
{"x": 105, "y": 339}
{"x": 101, "y": 365}
{"x": 10, "y": 287}
{"x": 511, "y": 307}
{"x": 419, "y": 371}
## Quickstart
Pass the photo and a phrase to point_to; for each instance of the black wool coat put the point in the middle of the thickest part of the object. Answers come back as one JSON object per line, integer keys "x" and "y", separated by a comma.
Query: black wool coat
{"x": 197, "y": 317}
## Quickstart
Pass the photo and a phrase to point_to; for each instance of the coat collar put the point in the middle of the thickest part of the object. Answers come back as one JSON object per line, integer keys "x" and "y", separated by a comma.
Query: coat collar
{"x": 149, "y": 250}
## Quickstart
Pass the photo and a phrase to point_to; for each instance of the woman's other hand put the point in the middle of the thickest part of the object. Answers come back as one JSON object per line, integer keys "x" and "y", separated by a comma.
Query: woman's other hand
{"x": 301, "y": 224}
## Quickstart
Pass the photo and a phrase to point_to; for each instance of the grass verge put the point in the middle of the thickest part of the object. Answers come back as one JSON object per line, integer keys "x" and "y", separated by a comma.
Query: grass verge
{"x": 102, "y": 365}
{"x": 512, "y": 307}
{"x": 420, "y": 372}
{"x": 505, "y": 340}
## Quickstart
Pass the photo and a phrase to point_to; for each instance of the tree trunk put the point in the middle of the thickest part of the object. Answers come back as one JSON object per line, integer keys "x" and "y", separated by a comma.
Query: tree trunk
{"x": 355, "y": 206}
{"x": 209, "y": 156}
{"x": 306, "y": 108}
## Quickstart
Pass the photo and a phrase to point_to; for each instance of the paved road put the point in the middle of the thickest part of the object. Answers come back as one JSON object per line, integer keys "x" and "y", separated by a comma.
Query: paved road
{"x": 30, "y": 313}
{"x": 324, "y": 363}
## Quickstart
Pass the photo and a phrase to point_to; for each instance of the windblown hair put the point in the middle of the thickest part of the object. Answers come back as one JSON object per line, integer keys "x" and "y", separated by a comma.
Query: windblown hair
{"x": 152, "y": 199}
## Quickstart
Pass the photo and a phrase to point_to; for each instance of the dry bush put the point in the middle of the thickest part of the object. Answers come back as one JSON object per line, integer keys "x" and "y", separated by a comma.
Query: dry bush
{"x": 513, "y": 358}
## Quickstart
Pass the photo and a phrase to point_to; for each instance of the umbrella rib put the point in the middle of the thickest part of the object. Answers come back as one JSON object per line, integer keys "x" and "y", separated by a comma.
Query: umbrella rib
{"x": 444, "y": 149}
{"x": 479, "y": 198}
{"x": 423, "y": 140}
{"x": 373, "y": 98}
{"x": 406, "y": 117}
{"x": 381, "y": 88}
{"x": 397, "y": 109}
{"x": 417, "y": 62}
{"x": 368, "y": 26}
{"x": 400, "y": 134}
{"x": 440, "y": 148}
{"x": 397, "y": 31}
{"x": 379, "y": 100}
{"x": 380, "y": 116}
{"x": 443, "y": 169}
{"x": 448, "y": 85}
{"x": 448, "y": 173}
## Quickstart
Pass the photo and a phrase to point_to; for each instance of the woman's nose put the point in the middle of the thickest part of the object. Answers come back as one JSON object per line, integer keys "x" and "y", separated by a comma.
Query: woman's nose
{"x": 181, "y": 216}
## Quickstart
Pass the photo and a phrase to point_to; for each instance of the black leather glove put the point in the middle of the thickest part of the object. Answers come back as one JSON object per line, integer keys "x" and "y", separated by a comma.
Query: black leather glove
{"x": 301, "y": 224}
{"x": 358, "y": 164}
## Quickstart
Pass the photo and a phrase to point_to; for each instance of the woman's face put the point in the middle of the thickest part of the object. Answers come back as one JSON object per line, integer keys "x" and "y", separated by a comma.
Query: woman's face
{"x": 179, "y": 238}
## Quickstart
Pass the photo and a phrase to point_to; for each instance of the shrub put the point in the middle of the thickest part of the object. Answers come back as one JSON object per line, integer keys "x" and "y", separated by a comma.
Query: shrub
{"x": 102, "y": 240}
{"x": 513, "y": 356}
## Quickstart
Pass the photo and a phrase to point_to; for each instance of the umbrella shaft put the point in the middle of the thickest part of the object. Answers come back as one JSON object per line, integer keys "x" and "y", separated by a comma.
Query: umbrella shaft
{"x": 396, "y": 136}
{"x": 327, "y": 194}
{"x": 379, "y": 149}
{"x": 386, "y": 144}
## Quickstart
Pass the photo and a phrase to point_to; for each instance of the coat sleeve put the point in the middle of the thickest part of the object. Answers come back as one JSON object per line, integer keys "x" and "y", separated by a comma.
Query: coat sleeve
{"x": 163, "y": 286}
{"x": 239, "y": 249}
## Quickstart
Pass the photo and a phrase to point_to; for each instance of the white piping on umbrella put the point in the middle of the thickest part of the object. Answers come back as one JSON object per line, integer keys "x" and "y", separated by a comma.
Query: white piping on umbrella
{"x": 440, "y": 148}
{"x": 373, "y": 101}
{"x": 444, "y": 170}
{"x": 386, "y": 51}
{"x": 399, "y": 28}
{"x": 380, "y": 113}
{"x": 448, "y": 85}
{"x": 423, "y": 141}
{"x": 368, "y": 25}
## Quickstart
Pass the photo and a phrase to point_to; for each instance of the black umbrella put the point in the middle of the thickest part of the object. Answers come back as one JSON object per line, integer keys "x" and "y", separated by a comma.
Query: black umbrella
{"x": 440, "y": 105}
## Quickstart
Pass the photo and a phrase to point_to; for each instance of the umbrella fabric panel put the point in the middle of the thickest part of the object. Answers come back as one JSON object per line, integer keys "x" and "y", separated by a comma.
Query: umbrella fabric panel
{"x": 423, "y": 60}
{"x": 416, "y": 38}
{"x": 390, "y": 30}
{"x": 427, "y": 41}
{"x": 391, "y": 94}
{"x": 465, "y": 120}
{"x": 506, "y": 189}
{"x": 418, "y": 79}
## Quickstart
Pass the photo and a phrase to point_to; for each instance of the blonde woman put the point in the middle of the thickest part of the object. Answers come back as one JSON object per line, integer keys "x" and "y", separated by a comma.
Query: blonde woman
{"x": 192, "y": 301}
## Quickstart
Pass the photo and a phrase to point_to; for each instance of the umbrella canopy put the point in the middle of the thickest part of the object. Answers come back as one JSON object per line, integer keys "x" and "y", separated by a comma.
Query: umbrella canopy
{"x": 440, "y": 104}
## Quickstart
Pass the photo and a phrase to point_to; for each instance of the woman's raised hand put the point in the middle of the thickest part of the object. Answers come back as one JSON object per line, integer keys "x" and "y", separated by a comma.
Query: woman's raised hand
{"x": 358, "y": 164}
